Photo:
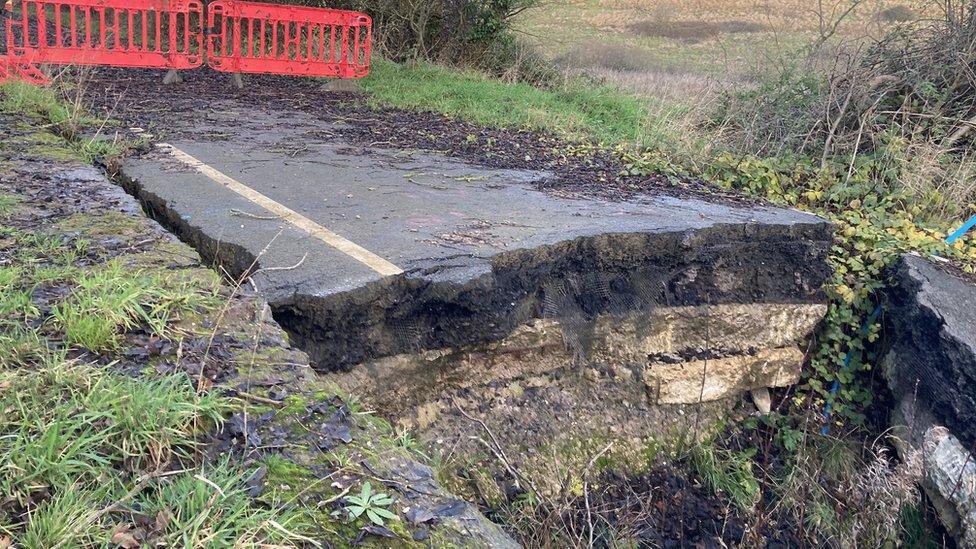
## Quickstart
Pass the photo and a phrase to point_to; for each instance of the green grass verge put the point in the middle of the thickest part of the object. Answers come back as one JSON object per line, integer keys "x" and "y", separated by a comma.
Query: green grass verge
{"x": 69, "y": 119}
{"x": 85, "y": 450}
{"x": 21, "y": 97}
{"x": 577, "y": 110}
{"x": 91, "y": 456}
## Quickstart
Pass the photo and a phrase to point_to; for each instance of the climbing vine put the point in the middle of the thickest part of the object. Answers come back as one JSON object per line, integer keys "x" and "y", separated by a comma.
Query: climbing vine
{"x": 874, "y": 224}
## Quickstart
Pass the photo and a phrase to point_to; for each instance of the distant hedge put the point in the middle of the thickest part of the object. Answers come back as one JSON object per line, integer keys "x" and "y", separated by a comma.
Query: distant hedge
{"x": 461, "y": 32}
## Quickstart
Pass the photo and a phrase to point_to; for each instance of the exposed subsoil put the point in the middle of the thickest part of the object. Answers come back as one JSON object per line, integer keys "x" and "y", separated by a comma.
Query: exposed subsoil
{"x": 138, "y": 98}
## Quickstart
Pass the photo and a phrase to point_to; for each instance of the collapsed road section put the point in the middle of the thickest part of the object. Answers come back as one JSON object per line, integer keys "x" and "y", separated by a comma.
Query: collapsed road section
{"x": 929, "y": 360}
{"x": 422, "y": 281}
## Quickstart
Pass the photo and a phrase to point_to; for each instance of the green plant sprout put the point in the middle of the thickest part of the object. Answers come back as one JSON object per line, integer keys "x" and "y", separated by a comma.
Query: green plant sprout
{"x": 372, "y": 504}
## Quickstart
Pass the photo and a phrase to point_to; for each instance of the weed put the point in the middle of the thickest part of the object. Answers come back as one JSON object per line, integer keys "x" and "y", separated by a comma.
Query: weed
{"x": 8, "y": 203}
{"x": 50, "y": 274}
{"x": 69, "y": 118}
{"x": 211, "y": 508}
{"x": 18, "y": 305}
{"x": 21, "y": 346}
{"x": 371, "y": 504}
{"x": 42, "y": 101}
{"x": 727, "y": 472}
{"x": 62, "y": 520}
{"x": 112, "y": 299}
{"x": 917, "y": 528}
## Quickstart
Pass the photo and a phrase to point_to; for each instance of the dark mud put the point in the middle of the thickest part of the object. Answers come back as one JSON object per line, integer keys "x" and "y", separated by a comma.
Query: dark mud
{"x": 663, "y": 509}
{"x": 138, "y": 98}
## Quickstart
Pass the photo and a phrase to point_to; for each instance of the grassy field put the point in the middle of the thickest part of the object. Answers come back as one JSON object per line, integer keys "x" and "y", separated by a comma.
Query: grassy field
{"x": 686, "y": 50}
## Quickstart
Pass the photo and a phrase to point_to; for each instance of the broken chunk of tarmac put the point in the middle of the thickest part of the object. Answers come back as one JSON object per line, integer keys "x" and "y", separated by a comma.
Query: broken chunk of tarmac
{"x": 466, "y": 254}
{"x": 929, "y": 360}
{"x": 290, "y": 425}
{"x": 443, "y": 293}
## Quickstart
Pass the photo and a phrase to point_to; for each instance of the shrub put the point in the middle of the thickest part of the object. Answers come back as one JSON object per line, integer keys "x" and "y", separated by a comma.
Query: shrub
{"x": 908, "y": 101}
{"x": 475, "y": 33}
{"x": 897, "y": 14}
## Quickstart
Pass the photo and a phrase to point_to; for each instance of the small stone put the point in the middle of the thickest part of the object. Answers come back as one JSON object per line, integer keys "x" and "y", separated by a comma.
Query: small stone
{"x": 762, "y": 400}
{"x": 172, "y": 77}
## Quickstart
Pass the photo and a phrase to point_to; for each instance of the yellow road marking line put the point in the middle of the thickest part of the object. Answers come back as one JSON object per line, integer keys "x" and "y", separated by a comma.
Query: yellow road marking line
{"x": 334, "y": 240}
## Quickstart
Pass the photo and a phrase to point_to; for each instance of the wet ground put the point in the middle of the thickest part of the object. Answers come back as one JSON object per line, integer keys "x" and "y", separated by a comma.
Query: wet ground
{"x": 140, "y": 99}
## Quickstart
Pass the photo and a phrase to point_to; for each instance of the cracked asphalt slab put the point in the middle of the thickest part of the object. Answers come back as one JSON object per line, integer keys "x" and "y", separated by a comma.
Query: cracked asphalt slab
{"x": 365, "y": 250}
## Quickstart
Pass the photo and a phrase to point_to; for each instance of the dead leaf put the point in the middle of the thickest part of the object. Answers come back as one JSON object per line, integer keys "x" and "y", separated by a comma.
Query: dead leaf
{"x": 162, "y": 520}
{"x": 5, "y": 542}
{"x": 122, "y": 538}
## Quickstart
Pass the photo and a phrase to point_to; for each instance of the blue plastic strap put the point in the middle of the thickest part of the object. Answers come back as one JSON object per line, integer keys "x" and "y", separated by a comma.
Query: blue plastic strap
{"x": 835, "y": 386}
{"x": 962, "y": 230}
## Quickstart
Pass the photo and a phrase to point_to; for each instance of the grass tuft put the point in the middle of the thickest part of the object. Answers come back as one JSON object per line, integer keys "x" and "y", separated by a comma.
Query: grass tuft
{"x": 66, "y": 423}
{"x": 8, "y": 203}
{"x": 42, "y": 101}
{"x": 577, "y": 110}
{"x": 111, "y": 300}
{"x": 69, "y": 119}
{"x": 727, "y": 472}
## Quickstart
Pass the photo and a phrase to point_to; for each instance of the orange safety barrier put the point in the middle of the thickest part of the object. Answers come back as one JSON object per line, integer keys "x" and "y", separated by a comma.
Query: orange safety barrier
{"x": 21, "y": 71}
{"x": 269, "y": 38}
{"x": 121, "y": 33}
{"x": 169, "y": 34}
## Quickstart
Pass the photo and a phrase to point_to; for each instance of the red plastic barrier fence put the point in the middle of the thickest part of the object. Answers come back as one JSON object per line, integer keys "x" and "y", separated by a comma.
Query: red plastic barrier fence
{"x": 169, "y": 34}
{"x": 269, "y": 38}
{"x": 122, "y": 33}
{"x": 20, "y": 71}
